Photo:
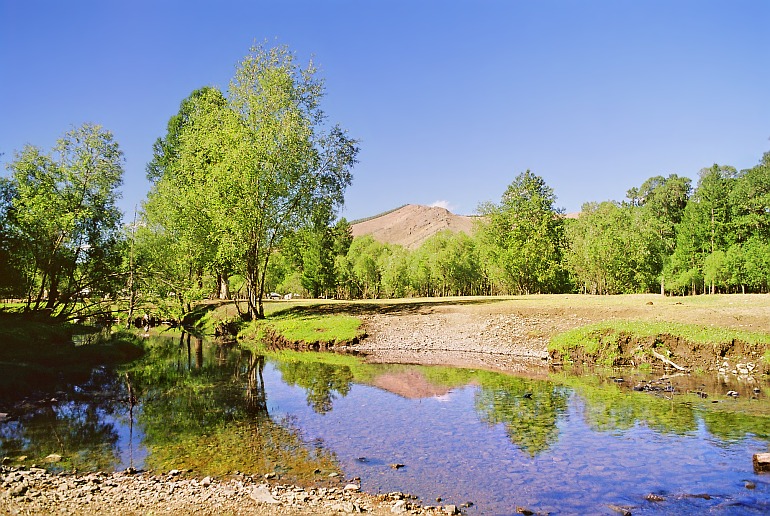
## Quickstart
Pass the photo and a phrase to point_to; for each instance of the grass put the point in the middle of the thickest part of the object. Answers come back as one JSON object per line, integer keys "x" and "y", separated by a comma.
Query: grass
{"x": 296, "y": 326}
{"x": 298, "y": 321}
{"x": 594, "y": 336}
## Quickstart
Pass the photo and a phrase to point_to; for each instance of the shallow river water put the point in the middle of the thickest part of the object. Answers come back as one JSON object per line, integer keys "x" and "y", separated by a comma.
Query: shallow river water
{"x": 570, "y": 444}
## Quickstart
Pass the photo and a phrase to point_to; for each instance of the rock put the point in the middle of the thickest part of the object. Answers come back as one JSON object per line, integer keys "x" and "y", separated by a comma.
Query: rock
{"x": 761, "y": 462}
{"x": 6, "y": 460}
{"x": 54, "y": 457}
{"x": 346, "y": 507}
{"x": 18, "y": 490}
{"x": 396, "y": 466}
{"x": 620, "y": 510}
{"x": 450, "y": 509}
{"x": 750, "y": 485}
{"x": 399, "y": 507}
{"x": 206, "y": 481}
{"x": 174, "y": 472}
{"x": 733, "y": 394}
{"x": 333, "y": 475}
{"x": 652, "y": 497}
{"x": 271, "y": 475}
{"x": 524, "y": 511}
{"x": 352, "y": 487}
{"x": 261, "y": 494}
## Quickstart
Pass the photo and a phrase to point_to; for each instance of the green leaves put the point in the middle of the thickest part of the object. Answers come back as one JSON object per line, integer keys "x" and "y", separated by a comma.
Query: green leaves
{"x": 235, "y": 175}
{"x": 523, "y": 237}
{"x": 63, "y": 215}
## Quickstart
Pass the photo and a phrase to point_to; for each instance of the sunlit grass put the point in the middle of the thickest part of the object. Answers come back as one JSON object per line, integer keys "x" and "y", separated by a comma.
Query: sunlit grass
{"x": 590, "y": 336}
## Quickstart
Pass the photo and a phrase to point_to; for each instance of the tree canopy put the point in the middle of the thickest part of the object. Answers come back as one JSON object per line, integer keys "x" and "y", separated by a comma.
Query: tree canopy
{"x": 237, "y": 173}
{"x": 61, "y": 222}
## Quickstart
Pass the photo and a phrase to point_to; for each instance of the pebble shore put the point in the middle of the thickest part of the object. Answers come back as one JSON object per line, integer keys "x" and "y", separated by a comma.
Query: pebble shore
{"x": 27, "y": 491}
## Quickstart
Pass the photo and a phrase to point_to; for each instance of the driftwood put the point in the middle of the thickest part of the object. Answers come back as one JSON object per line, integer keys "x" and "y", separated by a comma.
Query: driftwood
{"x": 667, "y": 361}
{"x": 761, "y": 462}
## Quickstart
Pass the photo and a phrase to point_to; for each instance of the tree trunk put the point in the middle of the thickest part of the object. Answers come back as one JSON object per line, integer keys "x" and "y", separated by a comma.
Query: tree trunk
{"x": 223, "y": 285}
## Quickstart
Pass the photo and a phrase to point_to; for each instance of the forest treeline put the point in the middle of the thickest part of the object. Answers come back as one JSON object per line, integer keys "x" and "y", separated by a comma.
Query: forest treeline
{"x": 246, "y": 187}
{"x": 666, "y": 235}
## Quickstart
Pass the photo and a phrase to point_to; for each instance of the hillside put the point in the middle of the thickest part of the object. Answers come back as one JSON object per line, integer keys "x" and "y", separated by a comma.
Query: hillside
{"x": 412, "y": 224}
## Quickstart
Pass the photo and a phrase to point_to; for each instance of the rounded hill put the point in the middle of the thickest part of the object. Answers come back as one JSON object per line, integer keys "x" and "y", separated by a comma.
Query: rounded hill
{"x": 412, "y": 224}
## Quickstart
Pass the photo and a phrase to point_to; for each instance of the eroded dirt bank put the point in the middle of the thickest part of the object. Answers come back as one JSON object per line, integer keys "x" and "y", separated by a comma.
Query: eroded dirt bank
{"x": 513, "y": 333}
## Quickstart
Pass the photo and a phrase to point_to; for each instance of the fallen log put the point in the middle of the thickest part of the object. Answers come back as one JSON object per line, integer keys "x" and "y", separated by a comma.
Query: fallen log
{"x": 667, "y": 361}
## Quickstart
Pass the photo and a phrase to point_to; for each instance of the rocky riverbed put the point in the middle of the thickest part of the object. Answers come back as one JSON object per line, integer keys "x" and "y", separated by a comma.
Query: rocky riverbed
{"x": 27, "y": 491}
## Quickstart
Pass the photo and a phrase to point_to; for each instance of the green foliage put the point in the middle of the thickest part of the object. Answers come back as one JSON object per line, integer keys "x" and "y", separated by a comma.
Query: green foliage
{"x": 523, "y": 237}
{"x": 613, "y": 249}
{"x": 63, "y": 226}
{"x": 238, "y": 174}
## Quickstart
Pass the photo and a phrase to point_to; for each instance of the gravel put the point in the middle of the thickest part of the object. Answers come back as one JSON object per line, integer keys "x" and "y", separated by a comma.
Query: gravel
{"x": 36, "y": 491}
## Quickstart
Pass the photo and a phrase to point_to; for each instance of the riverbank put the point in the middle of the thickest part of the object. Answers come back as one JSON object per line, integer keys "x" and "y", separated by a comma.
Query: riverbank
{"x": 34, "y": 491}
{"x": 520, "y": 334}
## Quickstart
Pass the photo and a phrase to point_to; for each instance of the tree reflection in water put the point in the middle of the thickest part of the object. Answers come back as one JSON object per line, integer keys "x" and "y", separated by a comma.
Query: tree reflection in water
{"x": 204, "y": 407}
{"x": 78, "y": 426}
{"x": 528, "y": 409}
{"x": 319, "y": 380}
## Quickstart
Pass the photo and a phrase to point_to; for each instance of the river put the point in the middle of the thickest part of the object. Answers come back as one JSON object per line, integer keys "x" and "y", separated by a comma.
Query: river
{"x": 487, "y": 441}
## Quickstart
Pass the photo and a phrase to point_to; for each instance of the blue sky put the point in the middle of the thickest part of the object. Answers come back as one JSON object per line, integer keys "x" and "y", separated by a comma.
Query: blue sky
{"x": 451, "y": 100}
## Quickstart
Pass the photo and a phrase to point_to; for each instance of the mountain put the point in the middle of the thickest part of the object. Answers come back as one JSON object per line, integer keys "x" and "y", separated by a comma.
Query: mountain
{"x": 411, "y": 225}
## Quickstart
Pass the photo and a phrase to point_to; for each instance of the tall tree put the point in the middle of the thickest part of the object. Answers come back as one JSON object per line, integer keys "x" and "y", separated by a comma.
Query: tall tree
{"x": 705, "y": 228}
{"x": 253, "y": 169}
{"x": 180, "y": 247}
{"x": 750, "y": 202}
{"x": 291, "y": 164}
{"x": 63, "y": 210}
{"x": 524, "y": 236}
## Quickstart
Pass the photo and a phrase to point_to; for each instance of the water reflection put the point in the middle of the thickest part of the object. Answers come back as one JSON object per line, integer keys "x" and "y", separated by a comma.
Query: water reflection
{"x": 79, "y": 424}
{"x": 575, "y": 443}
{"x": 528, "y": 409}
{"x": 322, "y": 382}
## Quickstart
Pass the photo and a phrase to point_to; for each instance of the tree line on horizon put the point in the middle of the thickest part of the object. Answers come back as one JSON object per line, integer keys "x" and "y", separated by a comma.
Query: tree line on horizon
{"x": 665, "y": 237}
{"x": 246, "y": 188}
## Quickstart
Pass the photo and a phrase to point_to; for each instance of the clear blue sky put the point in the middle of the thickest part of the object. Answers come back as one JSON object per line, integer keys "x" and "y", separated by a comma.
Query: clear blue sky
{"x": 451, "y": 99}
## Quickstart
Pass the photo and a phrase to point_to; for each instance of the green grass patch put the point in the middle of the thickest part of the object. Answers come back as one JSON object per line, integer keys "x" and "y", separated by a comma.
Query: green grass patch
{"x": 594, "y": 336}
{"x": 300, "y": 323}
{"x": 316, "y": 328}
